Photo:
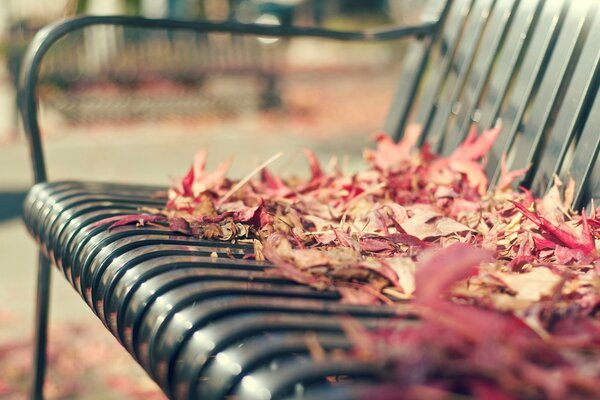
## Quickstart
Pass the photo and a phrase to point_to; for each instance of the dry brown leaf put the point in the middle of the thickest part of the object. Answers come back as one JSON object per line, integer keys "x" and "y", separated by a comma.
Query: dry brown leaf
{"x": 428, "y": 224}
{"x": 533, "y": 285}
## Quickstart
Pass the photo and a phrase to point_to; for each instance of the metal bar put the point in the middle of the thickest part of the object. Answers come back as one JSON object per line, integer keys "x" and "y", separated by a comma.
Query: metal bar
{"x": 49, "y": 35}
{"x": 529, "y": 142}
{"x": 413, "y": 69}
{"x": 41, "y": 327}
{"x": 461, "y": 65}
{"x": 570, "y": 119}
{"x": 527, "y": 79}
{"x": 439, "y": 64}
{"x": 509, "y": 60}
{"x": 586, "y": 167}
{"x": 459, "y": 114}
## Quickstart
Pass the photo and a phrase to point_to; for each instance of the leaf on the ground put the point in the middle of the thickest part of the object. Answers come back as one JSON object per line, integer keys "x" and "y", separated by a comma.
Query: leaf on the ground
{"x": 428, "y": 224}
{"x": 533, "y": 285}
{"x": 440, "y": 269}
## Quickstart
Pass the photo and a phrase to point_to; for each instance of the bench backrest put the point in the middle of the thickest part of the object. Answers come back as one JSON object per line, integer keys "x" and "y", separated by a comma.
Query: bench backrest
{"x": 532, "y": 64}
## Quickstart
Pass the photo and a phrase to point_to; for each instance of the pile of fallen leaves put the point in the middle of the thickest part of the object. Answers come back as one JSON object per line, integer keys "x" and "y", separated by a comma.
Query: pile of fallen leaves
{"x": 507, "y": 285}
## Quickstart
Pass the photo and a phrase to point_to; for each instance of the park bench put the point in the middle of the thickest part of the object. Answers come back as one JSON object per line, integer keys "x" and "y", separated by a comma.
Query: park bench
{"x": 209, "y": 328}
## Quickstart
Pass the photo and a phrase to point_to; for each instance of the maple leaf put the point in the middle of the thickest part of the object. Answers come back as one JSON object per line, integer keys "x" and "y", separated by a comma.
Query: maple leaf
{"x": 427, "y": 224}
{"x": 441, "y": 269}
{"x": 475, "y": 147}
{"x": 508, "y": 177}
{"x": 315, "y": 167}
{"x": 462, "y": 160}
{"x": 274, "y": 185}
{"x": 560, "y": 235}
{"x": 277, "y": 249}
{"x": 390, "y": 155}
{"x": 138, "y": 219}
{"x": 198, "y": 180}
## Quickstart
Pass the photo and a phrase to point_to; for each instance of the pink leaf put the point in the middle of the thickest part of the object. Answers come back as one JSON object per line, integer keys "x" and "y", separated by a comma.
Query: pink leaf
{"x": 179, "y": 225}
{"x": 439, "y": 270}
{"x": 475, "y": 147}
{"x": 121, "y": 220}
{"x": 313, "y": 162}
{"x": 375, "y": 243}
{"x": 389, "y": 155}
{"x": 562, "y": 236}
{"x": 508, "y": 177}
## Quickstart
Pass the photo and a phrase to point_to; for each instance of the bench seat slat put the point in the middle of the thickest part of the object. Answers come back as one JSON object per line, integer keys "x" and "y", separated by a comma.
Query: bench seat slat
{"x": 158, "y": 292}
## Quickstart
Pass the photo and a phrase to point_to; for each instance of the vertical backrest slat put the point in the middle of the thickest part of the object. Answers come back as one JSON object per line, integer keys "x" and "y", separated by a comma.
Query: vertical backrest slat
{"x": 458, "y": 117}
{"x": 586, "y": 167}
{"x": 527, "y": 78}
{"x": 580, "y": 92}
{"x": 456, "y": 76}
{"x": 413, "y": 67}
{"x": 509, "y": 58}
{"x": 440, "y": 60}
{"x": 528, "y": 142}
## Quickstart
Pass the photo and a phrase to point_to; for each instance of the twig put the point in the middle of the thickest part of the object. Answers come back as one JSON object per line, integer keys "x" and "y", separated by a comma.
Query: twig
{"x": 241, "y": 183}
{"x": 366, "y": 193}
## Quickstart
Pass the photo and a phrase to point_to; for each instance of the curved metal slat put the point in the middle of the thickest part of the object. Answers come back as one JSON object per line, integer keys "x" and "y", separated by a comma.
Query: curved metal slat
{"x": 529, "y": 142}
{"x": 461, "y": 64}
{"x": 282, "y": 382}
{"x": 586, "y": 166}
{"x": 440, "y": 61}
{"x": 508, "y": 60}
{"x": 204, "y": 344}
{"x": 460, "y": 108}
{"x": 231, "y": 365}
{"x": 413, "y": 67}
{"x": 526, "y": 79}
{"x": 570, "y": 120}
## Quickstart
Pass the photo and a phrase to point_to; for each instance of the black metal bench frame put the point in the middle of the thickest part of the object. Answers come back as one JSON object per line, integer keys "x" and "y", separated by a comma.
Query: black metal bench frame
{"x": 539, "y": 70}
{"x": 28, "y": 101}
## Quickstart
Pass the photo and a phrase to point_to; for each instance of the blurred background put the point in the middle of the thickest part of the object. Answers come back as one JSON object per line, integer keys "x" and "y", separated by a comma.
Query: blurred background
{"x": 134, "y": 106}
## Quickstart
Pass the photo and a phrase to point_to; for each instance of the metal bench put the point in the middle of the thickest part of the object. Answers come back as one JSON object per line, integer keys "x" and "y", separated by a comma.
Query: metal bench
{"x": 210, "y": 328}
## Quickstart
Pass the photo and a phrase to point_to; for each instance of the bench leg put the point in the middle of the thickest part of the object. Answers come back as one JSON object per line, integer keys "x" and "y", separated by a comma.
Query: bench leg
{"x": 41, "y": 327}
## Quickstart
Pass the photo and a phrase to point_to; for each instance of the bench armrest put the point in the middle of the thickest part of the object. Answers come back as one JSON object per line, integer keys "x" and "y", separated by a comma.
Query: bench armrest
{"x": 46, "y": 37}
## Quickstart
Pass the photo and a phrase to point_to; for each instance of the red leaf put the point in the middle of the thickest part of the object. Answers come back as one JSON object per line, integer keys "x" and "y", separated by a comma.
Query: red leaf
{"x": 405, "y": 238}
{"x": 198, "y": 181}
{"x": 375, "y": 243}
{"x": 121, "y": 220}
{"x": 474, "y": 147}
{"x": 563, "y": 237}
{"x": 438, "y": 271}
{"x": 389, "y": 155}
{"x": 273, "y": 185}
{"x": 255, "y": 216}
{"x": 313, "y": 162}
{"x": 508, "y": 177}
